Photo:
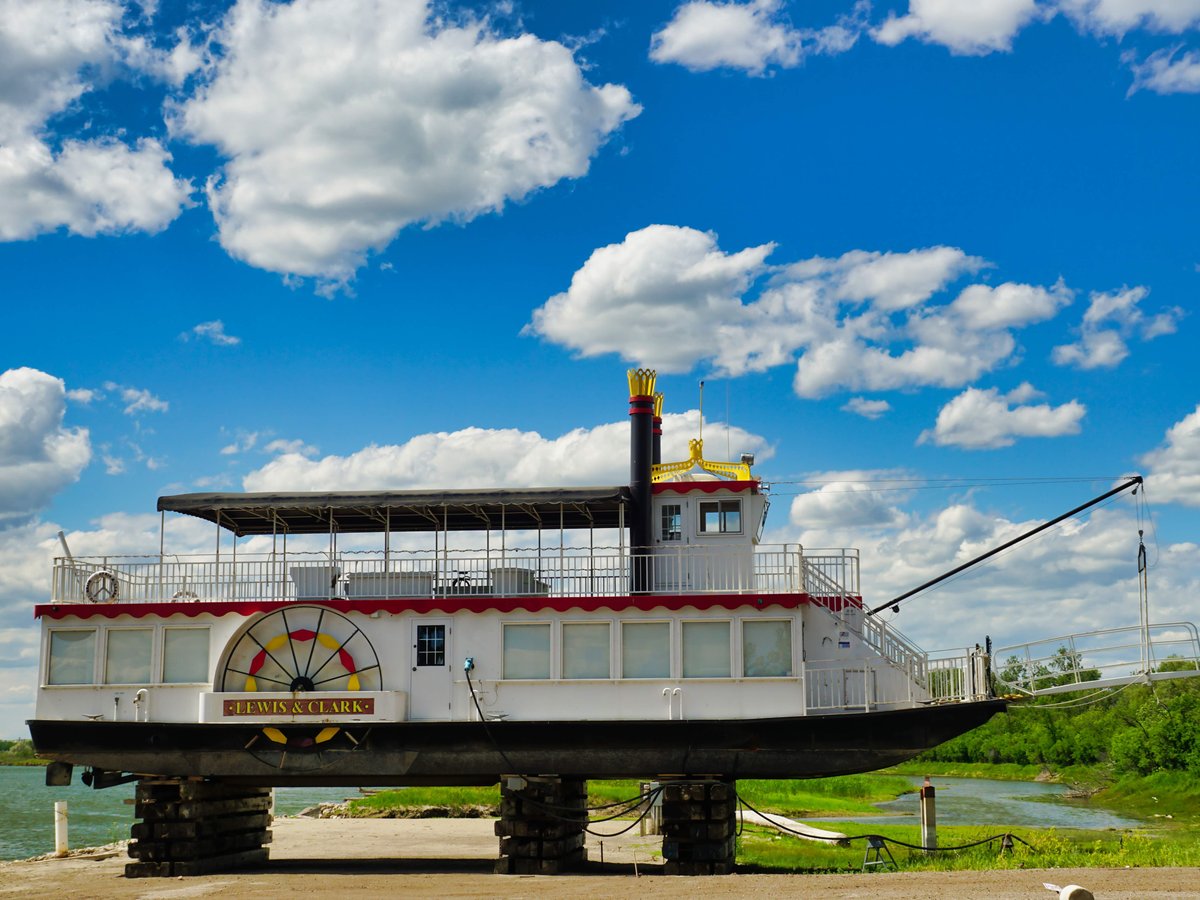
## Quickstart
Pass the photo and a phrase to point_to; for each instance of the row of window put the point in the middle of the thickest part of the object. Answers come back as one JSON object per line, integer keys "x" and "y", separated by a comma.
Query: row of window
{"x": 716, "y": 517}
{"x": 704, "y": 649}
{"x": 128, "y": 656}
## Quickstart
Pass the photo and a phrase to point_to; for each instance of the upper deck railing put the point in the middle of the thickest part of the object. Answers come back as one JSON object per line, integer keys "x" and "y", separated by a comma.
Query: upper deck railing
{"x": 557, "y": 572}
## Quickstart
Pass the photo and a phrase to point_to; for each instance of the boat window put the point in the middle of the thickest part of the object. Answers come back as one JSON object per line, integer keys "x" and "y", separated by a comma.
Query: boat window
{"x": 767, "y": 649}
{"x": 672, "y": 522}
{"x": 185, "y": 655}
{"x": 127, "y": 655}
{"x": 720, "y": 516}
{"x": 706, "y": 650}
{"x": 72, "y": 657}
{"x": 585, "y": 651}
{"x": 646, "y": 650}
{"x": 527, "y": 651}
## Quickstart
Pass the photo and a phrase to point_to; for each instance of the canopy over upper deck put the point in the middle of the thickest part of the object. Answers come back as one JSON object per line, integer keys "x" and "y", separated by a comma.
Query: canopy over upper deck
{"x": 375, "y": 511}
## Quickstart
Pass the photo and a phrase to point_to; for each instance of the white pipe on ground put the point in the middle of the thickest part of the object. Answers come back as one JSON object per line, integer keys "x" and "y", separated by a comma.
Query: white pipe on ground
{"x": 60, "y": 827}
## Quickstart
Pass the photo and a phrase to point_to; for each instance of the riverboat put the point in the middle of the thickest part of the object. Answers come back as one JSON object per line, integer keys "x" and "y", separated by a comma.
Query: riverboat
{"x": 459, "y": 636}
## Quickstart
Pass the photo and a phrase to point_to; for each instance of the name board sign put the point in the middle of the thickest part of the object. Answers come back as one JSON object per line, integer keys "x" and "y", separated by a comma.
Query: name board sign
{"x": 300, "y": 706}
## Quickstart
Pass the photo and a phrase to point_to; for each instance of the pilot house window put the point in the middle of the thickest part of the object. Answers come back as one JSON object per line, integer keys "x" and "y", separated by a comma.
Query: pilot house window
{"x": 672, "y": 522}
{"x": 721, "y": 517}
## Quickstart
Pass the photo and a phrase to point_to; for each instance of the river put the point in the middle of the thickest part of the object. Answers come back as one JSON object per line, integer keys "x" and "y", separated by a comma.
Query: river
{"x": 101, "y": 817}
{"x": 94, "y": 817}
{"x": 982, "y": 801}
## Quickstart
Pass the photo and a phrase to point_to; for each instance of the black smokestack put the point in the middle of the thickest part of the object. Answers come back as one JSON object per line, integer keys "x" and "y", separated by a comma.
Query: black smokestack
{"x": 641, "y": 454}
{"x": 656, "y": 454}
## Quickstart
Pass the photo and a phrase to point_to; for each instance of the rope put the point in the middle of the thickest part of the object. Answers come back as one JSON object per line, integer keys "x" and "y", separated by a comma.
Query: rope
{"x": 880, "y": 837}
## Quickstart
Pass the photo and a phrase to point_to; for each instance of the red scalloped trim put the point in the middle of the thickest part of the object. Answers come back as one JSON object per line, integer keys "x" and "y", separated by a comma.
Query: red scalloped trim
{"x": 447, "y": 605}
{"x": 708, "y": 487}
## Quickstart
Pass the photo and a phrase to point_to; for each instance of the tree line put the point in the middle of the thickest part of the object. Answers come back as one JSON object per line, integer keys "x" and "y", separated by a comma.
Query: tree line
{"x": 1137, "y": 729}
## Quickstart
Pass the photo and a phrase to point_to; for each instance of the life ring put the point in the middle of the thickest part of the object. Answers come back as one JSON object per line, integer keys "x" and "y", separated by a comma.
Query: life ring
{"x": 102, "y": 587}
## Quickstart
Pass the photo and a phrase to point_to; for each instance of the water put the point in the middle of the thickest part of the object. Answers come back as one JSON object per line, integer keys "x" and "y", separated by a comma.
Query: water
{"x": 101, "y": 817}
{"x": 981, "y": 801}
{"x": 95, "y": 817}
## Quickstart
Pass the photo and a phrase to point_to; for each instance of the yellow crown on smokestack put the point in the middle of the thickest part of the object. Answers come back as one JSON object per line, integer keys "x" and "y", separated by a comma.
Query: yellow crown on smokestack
{"x": 658, "y": 403}
{"x": 641, "y": 382}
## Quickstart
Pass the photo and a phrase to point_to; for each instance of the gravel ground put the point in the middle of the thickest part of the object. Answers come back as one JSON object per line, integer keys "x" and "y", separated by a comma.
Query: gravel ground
{"x": 446, "y": 858}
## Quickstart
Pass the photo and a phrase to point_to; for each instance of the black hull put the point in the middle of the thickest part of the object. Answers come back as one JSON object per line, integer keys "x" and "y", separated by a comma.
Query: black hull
{"x": 451, "y": 753}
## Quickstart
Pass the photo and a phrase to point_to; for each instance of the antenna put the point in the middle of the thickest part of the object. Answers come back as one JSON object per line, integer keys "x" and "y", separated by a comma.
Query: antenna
{"x": 702, "y": 410}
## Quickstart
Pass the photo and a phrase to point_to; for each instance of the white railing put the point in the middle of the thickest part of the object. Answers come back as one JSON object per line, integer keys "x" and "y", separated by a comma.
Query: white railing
{"x": 955, "y": 679}
{"x": 558, "y": 572}
{"x": 831, "y": 573}
{"x": 1103, "y": 657}
{"x": 896, "y": 649}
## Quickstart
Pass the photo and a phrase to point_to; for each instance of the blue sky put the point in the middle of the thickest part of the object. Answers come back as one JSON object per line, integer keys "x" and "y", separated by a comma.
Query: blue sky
{"x": 912, "y": 247}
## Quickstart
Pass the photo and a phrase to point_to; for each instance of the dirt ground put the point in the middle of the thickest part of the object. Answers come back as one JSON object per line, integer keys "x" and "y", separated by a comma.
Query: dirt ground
{"x": 447, "y": 858}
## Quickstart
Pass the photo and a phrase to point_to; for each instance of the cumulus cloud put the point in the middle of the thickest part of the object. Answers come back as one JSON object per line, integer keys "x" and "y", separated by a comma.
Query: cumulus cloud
{"x": 98, "y": 186}
{"x": 752, "y": 36}
{"x": 974, "y": 28}
{"x": 487, "y": 457}
{"x": 986, "y": 419}
{"x": 670, "y": 298}
{"x": 39, "y": 456}
{"x": 868, "y": 409}
{"x": 1165, "y": 72}
{"x": 1110, "y": 320}
{"x": 986, "y": 26}
{"x": 661, "y": 280}
{"x": 1118, "y": 17}
{"x": 343, "y": 122}
{"x": 1079, "y": 575}
{"x": 1173, "y": 469}
{"x": 849, "y": 499}
{"x": 213, "y": 332}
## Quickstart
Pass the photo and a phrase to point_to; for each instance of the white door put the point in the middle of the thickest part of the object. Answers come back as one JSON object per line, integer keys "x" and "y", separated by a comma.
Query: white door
{"x": 429, "y": 688}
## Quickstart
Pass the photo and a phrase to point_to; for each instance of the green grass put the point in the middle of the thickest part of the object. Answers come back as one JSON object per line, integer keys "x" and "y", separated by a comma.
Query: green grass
{"x": 763, "y": 848}
{"x": 846, "y": 796}
{"x": 1174, "y": 794}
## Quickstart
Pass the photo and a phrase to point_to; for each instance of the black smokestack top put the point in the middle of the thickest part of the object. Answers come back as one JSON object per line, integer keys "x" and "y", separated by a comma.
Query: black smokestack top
{"x": 641, "y": 453}
{"x": 656, "y": 454}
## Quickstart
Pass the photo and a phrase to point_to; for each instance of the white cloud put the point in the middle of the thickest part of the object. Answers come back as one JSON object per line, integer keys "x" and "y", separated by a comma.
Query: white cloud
{"x": 1078, "y": 576}
{"x": 282, "y": 445}
{"x": 483, "y": 457}
{"x": 138, "y": 400}
{"x": 343, "y": 122}
{"x": 849, "y": 500}
{"x": 868, "y": 409}
{"x": 971, "y": 28}
{"x": 1173, "y": 469}
{"x": 1163, "y": 73}
{"x": 1109, "y": 321}
{"x": 751, "y": 36}
{"x": 83, "y": 396}
{"x": 654, "y": 298}
{"x": 984, "y": 26}
{"x": 98, "y": 186}
{"x": 1009, "y": 305}
{"x": 214, "y": 332}
{"x": 891, "y": 281}
{"x": 986, "y": 419}
{"x": 1118, "y": 17}
{"x": 670, "y": 298}
{"x": 38, "y": 455}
